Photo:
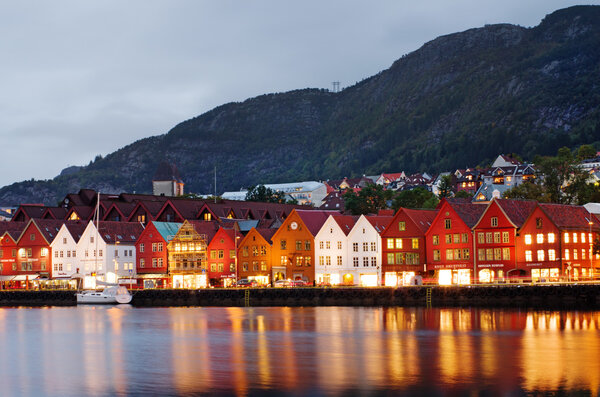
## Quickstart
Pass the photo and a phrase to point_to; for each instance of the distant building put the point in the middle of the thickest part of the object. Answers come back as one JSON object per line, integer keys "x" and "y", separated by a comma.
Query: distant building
{"x": 305, "y": 193}
{"x": 167, "y": 181}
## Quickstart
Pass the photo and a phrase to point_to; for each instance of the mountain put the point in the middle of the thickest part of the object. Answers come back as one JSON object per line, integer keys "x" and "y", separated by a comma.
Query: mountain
{"x": 458, "y": 101}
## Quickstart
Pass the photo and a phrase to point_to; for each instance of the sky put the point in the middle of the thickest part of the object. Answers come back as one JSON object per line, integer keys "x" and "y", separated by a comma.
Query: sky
{"x": 85, "y": 78}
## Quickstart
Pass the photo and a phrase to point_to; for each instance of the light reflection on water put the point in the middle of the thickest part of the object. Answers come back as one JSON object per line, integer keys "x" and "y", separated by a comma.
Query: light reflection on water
{"x": 97, "y": 351}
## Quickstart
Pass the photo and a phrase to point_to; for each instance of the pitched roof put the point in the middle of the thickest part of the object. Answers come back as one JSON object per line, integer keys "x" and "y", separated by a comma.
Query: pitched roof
{"x": 421, "y": 218}
{"x": 267, "y": 234}
{"x": 380, "y": 223}
{"x": 467, "y": 211}
{"x": 166, "y": 172}
{"x": 14, "y": 229}
{"x": 48, "y": 227}
{"x": 76, "y": 229}
{"x": 123, "y": 232}
{"x": 345, "y": 222}
{"x": 207, "y": 228}
{"x": 314, "y": 220}
{"x": 566, "y": 216}
{"x": 167, "y": 229}
{"x": 517, "y": 211}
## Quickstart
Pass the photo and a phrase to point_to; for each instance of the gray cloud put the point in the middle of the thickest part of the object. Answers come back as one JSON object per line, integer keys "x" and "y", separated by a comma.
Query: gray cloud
{"x": 85, "y": 78}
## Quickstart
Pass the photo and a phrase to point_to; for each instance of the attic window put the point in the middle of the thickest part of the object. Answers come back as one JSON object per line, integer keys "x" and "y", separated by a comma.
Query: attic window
{"x": 107, "y": 236}
{"x": 402, "y": 226}
{"x": 207, "y": 216}
{"x": 538, "y": 223}
{"x": 132, "y": 237}
{"x": 119, "y": 237}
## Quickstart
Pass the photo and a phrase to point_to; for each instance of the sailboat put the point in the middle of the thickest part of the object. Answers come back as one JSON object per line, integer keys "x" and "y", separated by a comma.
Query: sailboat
{"x": 112, "y": 293}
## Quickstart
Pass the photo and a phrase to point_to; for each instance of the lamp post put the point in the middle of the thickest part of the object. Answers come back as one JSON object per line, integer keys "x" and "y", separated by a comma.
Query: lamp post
{"x": 235, "y": 239}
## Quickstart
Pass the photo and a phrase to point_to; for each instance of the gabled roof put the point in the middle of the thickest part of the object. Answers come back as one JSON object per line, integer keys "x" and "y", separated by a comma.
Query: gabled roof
{"x": 345, "y": 222}
{"x": 76, "y": 229}
{"x": 517, "y": 211}
{"x": 380, "y": 223}
{"x": 167, "y": 229}
{"x": 267, "y": 234}
{"x": 207, "y": 228}
{"x": 30, "y": 211}
{"x": 123, "y": 232}
{"x": 421, "y": 218}
{"x": 47, "y": 227}
{"x": 314, "y": 220}
{"x": 83, "y": 212}
{"x": 566, "y": 216}
{"x": 467, "y": 211}
{"x": 123, "y": 209}
{"x": 55, "y": 213}
{"x": 14, "y": 229}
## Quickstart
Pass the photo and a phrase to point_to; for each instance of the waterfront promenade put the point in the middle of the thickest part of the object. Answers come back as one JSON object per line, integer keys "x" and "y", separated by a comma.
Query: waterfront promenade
{"x": 569, "y": 295}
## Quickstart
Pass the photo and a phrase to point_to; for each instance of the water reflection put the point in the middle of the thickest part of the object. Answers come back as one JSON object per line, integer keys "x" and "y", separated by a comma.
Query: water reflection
{"x": 176, "y": 351}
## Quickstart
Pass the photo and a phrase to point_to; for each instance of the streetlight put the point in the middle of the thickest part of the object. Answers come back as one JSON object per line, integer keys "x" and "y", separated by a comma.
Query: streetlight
{"x": 236, "y": 237}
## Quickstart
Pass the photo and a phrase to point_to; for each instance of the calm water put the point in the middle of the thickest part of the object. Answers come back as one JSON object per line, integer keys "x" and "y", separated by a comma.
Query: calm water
{"x": 97, "y": 351}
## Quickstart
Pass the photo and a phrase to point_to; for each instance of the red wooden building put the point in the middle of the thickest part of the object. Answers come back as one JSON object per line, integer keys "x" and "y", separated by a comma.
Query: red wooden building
{"x": 152, "y": 254}
{"x": 555, "y": 243}
{"x": 449, "y": 241}
{"x": 496, "y": 239}
{"x": 11, "y": 231}
{"x": 221, "y": 257}
{"x": 403, "y": 242}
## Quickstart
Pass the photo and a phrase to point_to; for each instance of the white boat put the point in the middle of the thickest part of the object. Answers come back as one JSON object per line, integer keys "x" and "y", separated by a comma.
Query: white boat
{"x": 110, "y": 295}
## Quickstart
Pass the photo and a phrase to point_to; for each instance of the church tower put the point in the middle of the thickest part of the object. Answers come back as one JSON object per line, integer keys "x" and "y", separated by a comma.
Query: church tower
{"x": 167, "y": 181}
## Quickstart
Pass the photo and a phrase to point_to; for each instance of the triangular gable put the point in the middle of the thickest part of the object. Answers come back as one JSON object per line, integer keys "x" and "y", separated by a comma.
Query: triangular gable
{"x": 204, "y": 211}
{"x": 114, "y": 209}
{"x": 168, "y": 204}
{"x": 136, "y": 211}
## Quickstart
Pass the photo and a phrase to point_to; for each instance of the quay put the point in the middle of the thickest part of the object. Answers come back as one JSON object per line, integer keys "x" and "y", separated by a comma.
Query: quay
{"x": 542, "y": 296}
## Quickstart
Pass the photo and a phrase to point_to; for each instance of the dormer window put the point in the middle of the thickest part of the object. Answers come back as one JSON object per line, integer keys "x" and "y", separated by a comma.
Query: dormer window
{"x": 494, "y": 221}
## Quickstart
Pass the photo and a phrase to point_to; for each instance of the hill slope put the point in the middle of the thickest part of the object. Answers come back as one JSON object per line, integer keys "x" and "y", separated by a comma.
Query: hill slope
{"x": 457, "y": 101}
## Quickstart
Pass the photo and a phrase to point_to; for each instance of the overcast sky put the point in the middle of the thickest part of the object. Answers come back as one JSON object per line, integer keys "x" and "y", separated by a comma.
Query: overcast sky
{"x": 81, "y": 78}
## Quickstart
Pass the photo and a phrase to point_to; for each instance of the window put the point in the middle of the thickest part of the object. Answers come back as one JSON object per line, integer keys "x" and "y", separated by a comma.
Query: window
{"x": 551, "y": 255}
{"x": 465, "y": 237}
{"x": 307, "y": 245}
{"x": 480, "y": 254}
{"x": 528, "y": 256}
{"x": 245, "y": 266}
{"x": 221, "y": 253}
{"x": 307, "y": 261}
{"x": 436, "y": 239}
{"x": 415, "y": 243}
{"x": 32, "y": 237}
{"x": 321, "y": 244}
{"x": 283, "y": 244}
{"x": 390, "y": 243}
{"x": 390, "y": 259}
{"x": 142, "y": 262}
{"x": 449, "y": 254}
{"x": 489, "y": 254}
{"x": 365, "y": 262}
{"x": 538, "y": 223}
{"x": 488, "y": 237}
{"x": 582, "y": 253}
{"x": 355, "y": 261}
{"x": 373, "y": 261}
{"x": 339, "y": 245}
{"x": 30, "y": 252}
{"x": 448, "y": 239}
{"x": 213, "y": 254}
{"x": 365, "y": 247}
{"x": 44, "y": 252}
{"x": 505, "y": 237}
{"x": 574, "y": 237}
{"x": 494, "y": 221}
{"x": 448, "y": 223}
{"x": 497, "y": 254}
{"x": 398, "y": 243}
{"x": 456, "y": 238}
{"x": 567, "y": 255}
{"x": 321, "y": 260}
{"x": 373, "y": 246}
{"x": 436, "y": 255}
{"x": 496, "y": 237}
{"x": 298, "y": 261}
{"x": 255, "y": 266}
{"x": 528, "y": 239}
{"x": 506, "y": 254}
{"x": 299, "y": 245}
{"x": 480, "y": 238}
{"x": 154, "y": 262}
{"x": 142, "y": 247}
{"x": 550, "y": 237}
{"x": 160, "y": 247}
{"x": 457, "y": 253}
{"x": 399, "y": 258}
{"x": 339, "y": 260}
{"x": 566, "y": 237}
{"x": 232, "y": 267}
{"x": 575, "y": 255}
{"x": 220, "y": 267}
{"x": 328, "y": 261}
{"x": 540, "y": 255}
{"x": 539, "y": 238}
{"x": 583, "y": 237}
{"x": 283, "y": 260}
{"x": 354, "y": 247}
{"x": 402, "y": 226}
{"x": 91, "y": 239}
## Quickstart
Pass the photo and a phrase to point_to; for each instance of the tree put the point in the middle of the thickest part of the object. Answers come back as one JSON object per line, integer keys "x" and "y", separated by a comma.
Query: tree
{"x": 463, "y": 194}
{"x": 415, "y": 198}
{"x": 369, "y": 200}
{"x": 586, "y": 152}
{"x": 528, "y": 190}
{"x": 445, "y": 186}
{"x": 265, "y": 194}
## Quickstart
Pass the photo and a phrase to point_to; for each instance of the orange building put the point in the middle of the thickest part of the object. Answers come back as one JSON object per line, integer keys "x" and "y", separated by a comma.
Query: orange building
{"x": 254, "y": 256}
{"x": 293, "y": 245}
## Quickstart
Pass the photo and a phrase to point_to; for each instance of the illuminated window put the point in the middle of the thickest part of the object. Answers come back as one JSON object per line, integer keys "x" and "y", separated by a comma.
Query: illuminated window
{"x": 480, "y": 254}
{"x": 142, "y": 262}
{"x": 551, "y": 237}
{"x": 505, "y": 237}
{"x": 321, "y": 261}
{"x": 540, "y": 255}
{"x": 456, "y": 238}
{"x": 299, "y": 245}
{"x": 339, "y": 245}
{"x": 399, "y": 258}
{"x": 456, "y": 254}
{"x": 465, "y": 237}
{"x": 583, "y": 237}
{"x": 390, "y": 259}
{"x": 567, "y": 255}
{"x": 466, "y": 253}
{"x": 496, "y": 237}
{"x": 436, "y": 239}
{"x": 327, "y": 261}
{"x": 44, "y": 252}
{"x": 399, "y": 243}
{"x": 528, "y": 257}
{"x": 582, "y": 253}
{"x": 566, "y": 237}
{"x": 480, "y": 238}
{"x": 488, "y": 237}
{"x": 505, "y": 254}
{"x": 207, "y": 216}
{"x": 436, "y": 255}
{"x": 494, "y": 221}
{"x": 551, "y": 255}
{"x": 539, "y": 238}
{"x": 574, "y": 237}
{"x": 402, "y": 226}
{"x": 497, "y": 254}
{"x": 528, "y": 239}
{"x": 415, "y": 243}
{"x": 448, "y": 254}
{"x": 575, "y": 255}
{"x": 299, "y": 260}
{"x": 321, "y": 244}
{"x": 448, "y": 239}
{"x": 390, "y": 243}
{"x": 489, "y": 254}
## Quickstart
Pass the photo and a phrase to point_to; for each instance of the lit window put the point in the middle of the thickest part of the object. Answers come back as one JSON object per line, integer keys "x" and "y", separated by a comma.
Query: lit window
{"x": 398, "y": 243}
{"x": 415, "y": 243}
{"x": 402, "y": 226}
{"x": 551, "y": 255}
{"x": 550, "y": 237}
{"x": 505, "y": 237}
{"x": 528, "y": 257}
{"x": 436, "y": 255}
{"x": 539, "y": 238}
{"x": 505, "y": 254}
{"x": 566, "y": 237}
{"x": 574, "y": 237}
{"x": 390, "y": 243}
{"x": 436, "y": 239}
{"x": 496, "y": 237}
{"x": 480, "y": 238}
{"x": 456, "y": 238}
{"x": 583, "y": 237}
{"x": 390, "y": 259}
{"x": 540, "y": 255}
{"x": 567, "y": 255}
{"x": 528, "y": 239}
